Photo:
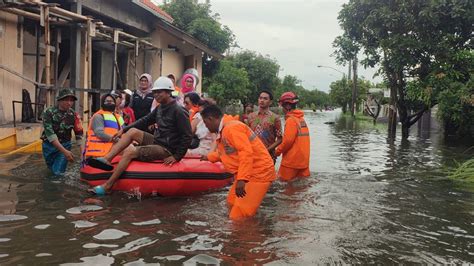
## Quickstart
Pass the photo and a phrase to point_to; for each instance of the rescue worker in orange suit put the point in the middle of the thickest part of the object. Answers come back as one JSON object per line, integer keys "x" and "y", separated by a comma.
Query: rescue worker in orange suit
{"x": 295, "y": 146}
{"x": 104, "y": 124}
{"x": 244, "y": 155}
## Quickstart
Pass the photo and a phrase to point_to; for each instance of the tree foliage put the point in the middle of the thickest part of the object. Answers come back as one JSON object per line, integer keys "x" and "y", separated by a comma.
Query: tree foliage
{"x": 229, "y": 84}
{"x": 341, "y": 93}
{"x": 411, "y": 40}
{"x": 262, "y": 72}
{"x": 312, "y": 99}
{"x": 198, "y": 20}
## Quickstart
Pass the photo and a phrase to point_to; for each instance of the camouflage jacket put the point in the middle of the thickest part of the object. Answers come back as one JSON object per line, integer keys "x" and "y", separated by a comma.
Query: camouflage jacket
{"x": 59, "y": 125}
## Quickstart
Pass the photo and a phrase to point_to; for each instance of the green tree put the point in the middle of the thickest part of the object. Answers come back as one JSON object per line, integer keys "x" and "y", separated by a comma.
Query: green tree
{"x": 411, "y": 40}
{"x": 308, "y": 99}
{"x": 198, "y": 20}
{"x": 229, "y": 84}
{"x": 340, "y": 93}
{"x": 262, "y": 72}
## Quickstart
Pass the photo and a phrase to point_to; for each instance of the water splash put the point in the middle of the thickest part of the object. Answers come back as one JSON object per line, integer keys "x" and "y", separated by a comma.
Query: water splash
{"x": 43, "y": 255}
{"x": 134, "y": 245}
{"x": 94, "y": 260}
{"x": 185, "y": 237}
{"x": 4, "y": 240}
{"x": 150, "y": 222}
{"x": 83, "y": 224}
{"x": 95, "y": 245}
{"x": 139, "y": 262}
{"x": 111, "y": 234}
{"x": 83, "y": 208}
{"x": 42, "y": 226}
{"x": 203, "y": 242}
{"x": 60, "y": 217}
{"x": 202, "y": 259}
{"x": 196, "y": 223}
{"x": 170, "y": 258}
{"x": 12, "y": 217}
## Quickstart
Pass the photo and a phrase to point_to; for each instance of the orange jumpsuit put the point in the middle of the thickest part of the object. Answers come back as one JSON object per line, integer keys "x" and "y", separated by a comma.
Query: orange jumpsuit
{"x": 244, "y": 155}
{"x": 295, "y": 147}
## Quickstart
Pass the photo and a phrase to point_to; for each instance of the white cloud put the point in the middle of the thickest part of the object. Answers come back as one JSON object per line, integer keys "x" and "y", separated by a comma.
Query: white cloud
{"x": 298, "y": 34}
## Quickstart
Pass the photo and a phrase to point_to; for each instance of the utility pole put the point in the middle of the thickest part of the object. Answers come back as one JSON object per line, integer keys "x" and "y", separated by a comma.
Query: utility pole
{"x": 349, "y": 69}
{"x": 354, "y": 87}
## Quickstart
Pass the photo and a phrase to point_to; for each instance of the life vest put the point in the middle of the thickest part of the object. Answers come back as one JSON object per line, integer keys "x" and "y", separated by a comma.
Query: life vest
{"x": 295, "y": 152}
{"x": 95, "y": 147}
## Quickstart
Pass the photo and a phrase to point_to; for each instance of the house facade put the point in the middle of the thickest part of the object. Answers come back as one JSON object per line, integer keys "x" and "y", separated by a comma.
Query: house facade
{"x": 87, "y": 45}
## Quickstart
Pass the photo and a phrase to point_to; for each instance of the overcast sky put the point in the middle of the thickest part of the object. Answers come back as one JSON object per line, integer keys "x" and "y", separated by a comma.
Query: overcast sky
{"x": 297, "y": 33}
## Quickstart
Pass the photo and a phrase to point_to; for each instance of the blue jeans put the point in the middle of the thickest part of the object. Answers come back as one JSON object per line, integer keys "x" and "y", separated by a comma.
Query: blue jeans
{"x": 55, "y": 160}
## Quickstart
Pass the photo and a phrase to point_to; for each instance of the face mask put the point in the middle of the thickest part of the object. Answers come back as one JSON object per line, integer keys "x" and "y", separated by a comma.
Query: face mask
{"x": 110, "y": 107}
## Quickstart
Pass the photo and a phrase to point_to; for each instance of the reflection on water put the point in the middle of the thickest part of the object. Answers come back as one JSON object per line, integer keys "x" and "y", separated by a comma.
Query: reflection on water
{"x": 369, "y": 200}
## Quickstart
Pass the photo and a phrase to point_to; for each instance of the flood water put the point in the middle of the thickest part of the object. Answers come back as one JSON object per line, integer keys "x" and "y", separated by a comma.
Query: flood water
{"x": 367, "y": 201}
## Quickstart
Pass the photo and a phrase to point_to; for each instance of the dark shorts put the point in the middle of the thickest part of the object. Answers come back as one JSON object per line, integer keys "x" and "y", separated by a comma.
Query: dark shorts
{"x": 148, "y": 151}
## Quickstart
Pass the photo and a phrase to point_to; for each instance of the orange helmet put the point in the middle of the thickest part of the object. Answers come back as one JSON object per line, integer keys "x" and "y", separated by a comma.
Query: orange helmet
{"x": 288, "y": 97}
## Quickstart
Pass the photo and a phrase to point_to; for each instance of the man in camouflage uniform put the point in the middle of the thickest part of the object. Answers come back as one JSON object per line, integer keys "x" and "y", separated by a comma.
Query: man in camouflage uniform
{"x": 58, "y": 123}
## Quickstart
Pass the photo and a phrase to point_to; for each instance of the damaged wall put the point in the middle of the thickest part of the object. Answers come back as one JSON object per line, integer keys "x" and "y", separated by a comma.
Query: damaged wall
{"x": 11, "y": 52}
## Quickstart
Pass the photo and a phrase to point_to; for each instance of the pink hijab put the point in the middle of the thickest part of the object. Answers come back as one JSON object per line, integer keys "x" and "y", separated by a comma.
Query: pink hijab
{"x": 184, "y": 88}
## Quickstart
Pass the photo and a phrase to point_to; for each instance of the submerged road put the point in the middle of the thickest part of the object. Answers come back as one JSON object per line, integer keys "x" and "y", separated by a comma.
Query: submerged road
{"x": 367, "y": 201}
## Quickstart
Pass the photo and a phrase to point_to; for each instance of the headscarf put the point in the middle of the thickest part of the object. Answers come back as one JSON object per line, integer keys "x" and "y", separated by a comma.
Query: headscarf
{"x": 150, "y": 84}
{"x": 184, "y": 88}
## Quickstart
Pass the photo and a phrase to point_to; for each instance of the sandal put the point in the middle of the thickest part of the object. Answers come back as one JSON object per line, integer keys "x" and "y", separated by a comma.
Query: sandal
{"x": 100, "y": 163}
{"x": 97, "y": 190}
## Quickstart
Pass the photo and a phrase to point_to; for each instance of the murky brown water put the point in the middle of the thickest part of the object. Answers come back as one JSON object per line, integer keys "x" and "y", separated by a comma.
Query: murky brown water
{"x": 367, "y": 201}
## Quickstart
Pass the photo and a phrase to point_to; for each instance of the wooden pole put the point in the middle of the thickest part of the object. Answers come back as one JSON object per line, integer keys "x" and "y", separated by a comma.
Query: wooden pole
{"x": 47, "y": 54}
{"x": 354, "y": 87}
{"x": 114, "y": 70}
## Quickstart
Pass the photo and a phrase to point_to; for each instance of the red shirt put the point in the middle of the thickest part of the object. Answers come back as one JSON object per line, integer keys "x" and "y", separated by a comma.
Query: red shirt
{"x": 128, "y": 115}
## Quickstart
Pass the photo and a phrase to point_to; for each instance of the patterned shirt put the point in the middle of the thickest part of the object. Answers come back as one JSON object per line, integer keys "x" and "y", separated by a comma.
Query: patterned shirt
{"x": 266, "y": 125}
{"x": 58, "y": 125}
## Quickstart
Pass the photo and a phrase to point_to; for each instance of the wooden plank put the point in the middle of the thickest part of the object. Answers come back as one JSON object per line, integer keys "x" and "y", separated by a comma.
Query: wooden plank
{"x": 8, "y": 142}
{"x": 30, "y": 148}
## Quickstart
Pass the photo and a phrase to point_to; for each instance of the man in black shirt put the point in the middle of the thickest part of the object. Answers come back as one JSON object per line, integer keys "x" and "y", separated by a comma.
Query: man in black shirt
{"x": 169, "y": 143}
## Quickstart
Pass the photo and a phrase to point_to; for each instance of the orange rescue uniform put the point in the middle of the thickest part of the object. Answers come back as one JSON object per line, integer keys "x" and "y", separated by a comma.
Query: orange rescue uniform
{"x": 244, "y": 155}
{"x": 295, "y": 147}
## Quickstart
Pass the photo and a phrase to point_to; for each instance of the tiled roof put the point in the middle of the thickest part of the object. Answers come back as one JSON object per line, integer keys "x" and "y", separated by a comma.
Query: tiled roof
{"x": 157, "y": 10}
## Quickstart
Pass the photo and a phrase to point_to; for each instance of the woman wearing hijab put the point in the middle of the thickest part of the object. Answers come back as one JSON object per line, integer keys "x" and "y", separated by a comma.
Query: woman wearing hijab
{"x": 102, "y": 127}
{"x": 142, "y": 98}
{"x": 188, "y": 83}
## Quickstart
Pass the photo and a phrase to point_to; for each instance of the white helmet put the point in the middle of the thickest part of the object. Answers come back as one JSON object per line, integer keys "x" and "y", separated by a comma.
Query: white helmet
{"x": 163, "y": 83}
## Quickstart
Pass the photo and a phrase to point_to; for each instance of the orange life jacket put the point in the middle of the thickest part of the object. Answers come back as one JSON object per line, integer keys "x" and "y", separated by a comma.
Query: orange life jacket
{"x": 243, "y": 153}
{"x": 95, "y": 147}
{"x": 295, "y": 145}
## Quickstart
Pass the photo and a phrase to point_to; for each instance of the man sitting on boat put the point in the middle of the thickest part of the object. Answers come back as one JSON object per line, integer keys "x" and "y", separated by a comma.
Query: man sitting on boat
{"x": 169, "y": 143}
